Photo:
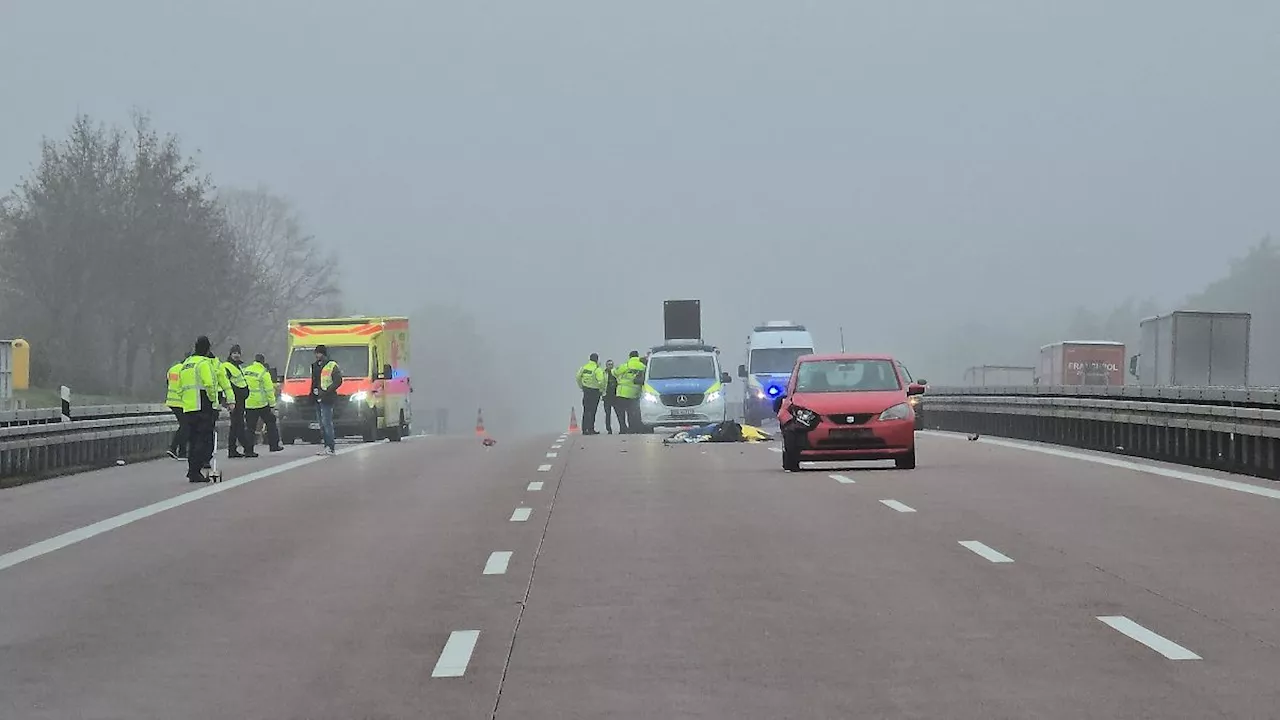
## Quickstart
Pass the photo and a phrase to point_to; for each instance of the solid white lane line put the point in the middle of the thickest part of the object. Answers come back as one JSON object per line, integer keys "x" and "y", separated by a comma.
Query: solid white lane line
{"x": 1123, "y": 464}
{"x": 456, "y": 654}
{"x": 986, "y": 552}
{"x": 497, "y": 564}
{"x": 898, "y": 506}
{"x": 544, "y": 468}
{"x": 1164, "y": 646}
{"x": 774, "y": 449}
{"x": 842, "y": 479}
{"x": 535, "y": 486}
{"x": 521, "y": 514}
{"x": 72, "y": 537}
{"x": 551, "y": 454}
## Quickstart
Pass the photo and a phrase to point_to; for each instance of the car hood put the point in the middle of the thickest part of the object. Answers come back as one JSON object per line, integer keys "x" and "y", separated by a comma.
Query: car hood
{"x": 675, "y": 386}
{"x": 836, "y": 403}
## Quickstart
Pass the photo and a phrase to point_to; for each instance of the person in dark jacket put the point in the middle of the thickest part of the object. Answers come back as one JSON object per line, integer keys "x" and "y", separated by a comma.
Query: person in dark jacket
{"x": 326, "y": 377}
{"x": 610, "y": 400}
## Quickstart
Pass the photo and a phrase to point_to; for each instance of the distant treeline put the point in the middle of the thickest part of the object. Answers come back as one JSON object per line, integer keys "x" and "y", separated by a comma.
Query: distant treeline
{"x": 117, "y": 251}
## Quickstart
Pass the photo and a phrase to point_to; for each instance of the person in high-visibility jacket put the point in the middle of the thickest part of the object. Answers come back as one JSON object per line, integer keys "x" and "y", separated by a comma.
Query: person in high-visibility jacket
{"x": 591, "y": 382}
{"x": 630, "y": 381}
{"x": 240, "y": 393}
{"x": 261, "y": 403}
{"x": 173, "y": 399}
{"x": 200, "y": 390}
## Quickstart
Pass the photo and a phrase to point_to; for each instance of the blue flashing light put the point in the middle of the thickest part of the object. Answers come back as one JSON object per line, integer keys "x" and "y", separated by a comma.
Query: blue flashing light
{"x": 773, "y": 391}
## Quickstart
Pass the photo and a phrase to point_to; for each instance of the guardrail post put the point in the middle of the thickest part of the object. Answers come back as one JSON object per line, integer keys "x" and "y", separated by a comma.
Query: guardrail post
{"x": 65, "y": 393}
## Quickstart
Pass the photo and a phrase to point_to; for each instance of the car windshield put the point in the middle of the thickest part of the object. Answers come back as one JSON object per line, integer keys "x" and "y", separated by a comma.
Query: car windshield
{"x": 669, "y": 367}
{"x": 776, "y": 360}
{"x": 846, "y": 376}
{"x": 353, "y": 361}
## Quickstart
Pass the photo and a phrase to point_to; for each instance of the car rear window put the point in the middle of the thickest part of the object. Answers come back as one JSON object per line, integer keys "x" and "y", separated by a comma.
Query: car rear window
{"x": 847, "y": 376}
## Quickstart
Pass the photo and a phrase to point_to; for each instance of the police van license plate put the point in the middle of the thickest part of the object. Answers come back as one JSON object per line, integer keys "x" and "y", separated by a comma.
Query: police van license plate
{"x": 314, "y": 426}
{"x": 683, "y": 413}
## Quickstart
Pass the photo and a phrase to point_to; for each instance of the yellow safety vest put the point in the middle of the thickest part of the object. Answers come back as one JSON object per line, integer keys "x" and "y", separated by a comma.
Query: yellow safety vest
{"x": 234, "y": 375}
{"x": 627, "y": 376}
{"x": 196, "y": 376}
{"x": 262, "y": 389}
{"x": 174, "y": 397}
{"x": 590, "y": 377}
{"x": 326, "y": 375}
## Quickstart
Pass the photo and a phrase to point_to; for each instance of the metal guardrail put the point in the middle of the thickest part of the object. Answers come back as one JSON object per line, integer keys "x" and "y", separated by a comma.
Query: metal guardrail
{"x": 36, "y": 443}
{"x": 1231, "y": 429}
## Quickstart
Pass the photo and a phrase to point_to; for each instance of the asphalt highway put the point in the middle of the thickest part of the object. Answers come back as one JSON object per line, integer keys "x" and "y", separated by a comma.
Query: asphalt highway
{"x": 608, "y": 577}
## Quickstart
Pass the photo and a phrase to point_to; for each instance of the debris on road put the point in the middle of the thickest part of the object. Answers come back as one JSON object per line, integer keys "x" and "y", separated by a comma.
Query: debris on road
{"x": 727, "y": 431}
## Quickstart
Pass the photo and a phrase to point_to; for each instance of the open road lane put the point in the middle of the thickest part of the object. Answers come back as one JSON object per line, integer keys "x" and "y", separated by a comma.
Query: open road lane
{"x": 687, "y": 581}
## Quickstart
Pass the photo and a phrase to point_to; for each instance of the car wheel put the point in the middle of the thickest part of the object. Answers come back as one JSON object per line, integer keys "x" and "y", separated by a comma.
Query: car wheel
{"x": 906, "y": 462}
{"x": 790, "y": 454}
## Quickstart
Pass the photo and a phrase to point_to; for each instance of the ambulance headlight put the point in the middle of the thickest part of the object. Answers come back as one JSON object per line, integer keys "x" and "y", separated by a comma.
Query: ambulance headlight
{"x": 286, "y": 398}
{"x": 759, "y": 394}
{"x": 359, "y": 396}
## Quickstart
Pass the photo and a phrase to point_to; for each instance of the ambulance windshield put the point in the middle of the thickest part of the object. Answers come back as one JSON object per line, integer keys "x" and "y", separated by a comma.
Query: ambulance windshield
{"x": 353, "y": 361}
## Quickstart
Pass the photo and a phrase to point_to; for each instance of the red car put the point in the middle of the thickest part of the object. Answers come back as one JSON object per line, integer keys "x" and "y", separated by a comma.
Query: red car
{"x": 848, "y": 407}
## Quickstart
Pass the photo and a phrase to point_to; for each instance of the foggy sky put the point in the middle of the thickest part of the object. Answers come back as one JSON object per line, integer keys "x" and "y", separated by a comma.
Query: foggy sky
{"x": 562, "y": 167}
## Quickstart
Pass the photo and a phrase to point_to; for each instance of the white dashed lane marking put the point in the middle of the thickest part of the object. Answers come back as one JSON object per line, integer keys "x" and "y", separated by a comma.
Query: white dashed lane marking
{"x": 842, "y": 479}
{"x": 898, "y": 506}
{"x": 986, "y": 552}
{"x": 535, "y": 486}
{"x": 1164, "y": 646}
{"x": 497, "y": 564}
{"x": 544, "y": 468}
{"x": 456, "y": 654}
{"x": 551, "y": 454}
{"x": 521, "y": 514}
{"x": 774, "y": 449}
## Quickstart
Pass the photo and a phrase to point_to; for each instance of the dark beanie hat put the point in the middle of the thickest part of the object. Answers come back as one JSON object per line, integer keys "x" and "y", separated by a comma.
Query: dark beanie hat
{"x": 202, "y": 345}
{"x": 234, "y": 349}
{"x": 322, "y": 350}
{"x": 260, "y": 358}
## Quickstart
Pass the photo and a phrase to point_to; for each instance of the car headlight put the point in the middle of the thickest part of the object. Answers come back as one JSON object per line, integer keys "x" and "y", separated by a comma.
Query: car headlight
{"x": 712, "y": 396}
{"x": 286, "y": 398}
{"x": 805, "y": 417}
{"x": 359, "y": 396}
{"x": 650, "y": 397}
{"x": 901, "y": 411}
{"x": 759, "y": 394}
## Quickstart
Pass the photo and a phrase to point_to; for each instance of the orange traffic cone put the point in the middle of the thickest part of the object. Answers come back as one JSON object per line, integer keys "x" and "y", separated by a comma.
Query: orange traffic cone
{"x": 480, "y": 422}
{"x": 573, "y": 420}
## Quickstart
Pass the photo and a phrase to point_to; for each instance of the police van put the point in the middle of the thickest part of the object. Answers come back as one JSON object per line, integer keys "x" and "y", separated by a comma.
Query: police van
{"x": 684, "y": 385}
{"x": 772, "y": 351}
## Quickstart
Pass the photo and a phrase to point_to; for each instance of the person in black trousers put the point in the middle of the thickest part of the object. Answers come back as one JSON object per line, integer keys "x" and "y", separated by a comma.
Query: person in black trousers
{"x": 611, "y": 401}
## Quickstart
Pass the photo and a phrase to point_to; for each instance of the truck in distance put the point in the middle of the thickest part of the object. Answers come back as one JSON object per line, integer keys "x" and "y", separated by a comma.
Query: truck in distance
{"x": 1081, "y": 362}
{"x": 1193, "y": 348}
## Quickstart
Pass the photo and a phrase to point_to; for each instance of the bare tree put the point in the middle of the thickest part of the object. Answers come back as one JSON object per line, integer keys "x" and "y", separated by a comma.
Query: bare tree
{"x": 290, "y": 274}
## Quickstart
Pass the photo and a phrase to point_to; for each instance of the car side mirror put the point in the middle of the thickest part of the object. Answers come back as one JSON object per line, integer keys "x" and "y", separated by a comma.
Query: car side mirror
{"x": 725, "y": 378}
{"x": 922, "y": 382}
{"x": 276, "y": 376}
{"x": 742, "y": 371}
{"x": 777, "y": 403}
{"x": 915, "y": 389}
{"x": 386, "y": 372}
